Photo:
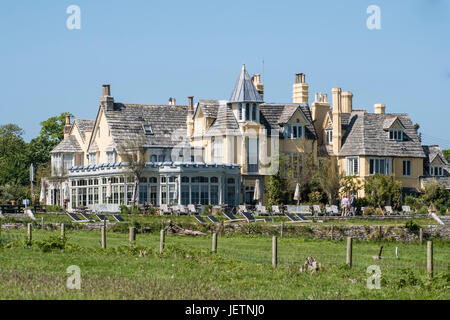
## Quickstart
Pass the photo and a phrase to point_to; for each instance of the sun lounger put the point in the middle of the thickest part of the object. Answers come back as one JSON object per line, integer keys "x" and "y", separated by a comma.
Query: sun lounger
{"x": 250, "y": 218}
{"x": 335, "y": 210}
{"x": 101, "y": 217}
{"x": 199, "y": 219}
{"x": 276, "y": 210}
{"x": 118, "y": 218}
{"x": 406, "y": 210}
{"x": 192, "y": 209}
{"x": 213, "y": 219}
{"x": 87, "y": 216}
{"x": 165, "y": 209}
{"x": 291, "y": 217}
{"x": 388, "y": 210}
{"x": 74, "y": 217}
{"x": 317, "y": 210}
{"x": 301, "y": 217}
{"x": 232, "y": 218}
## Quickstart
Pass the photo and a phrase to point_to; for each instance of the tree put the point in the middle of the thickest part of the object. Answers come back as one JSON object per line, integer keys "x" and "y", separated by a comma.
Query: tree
{"x": 446, "y": 154}
{"x": 53, "y": 128}
{"x": 350, "y": 185}
{"x": 14, "y": 162}
{"x": 435, "y": 193}
{"x": 132, "y": 151}
{"x": 329, "y": 178}
{"x": 382, "y": 190}
{"x": 276, "y": 189}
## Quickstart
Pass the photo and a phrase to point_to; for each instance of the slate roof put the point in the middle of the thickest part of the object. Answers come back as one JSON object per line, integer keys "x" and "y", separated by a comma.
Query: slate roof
{"x": 244, "y": 90}
{"x": 209, "y": 107}
{"x": 127, "y": 120}
{"x": 225, "y": 122}
{"x": 443, "y": 181}
{"x": 84, "y": 126}
{"x": 273, "y": 116}
{"x": 365, "y": 135}
{"x": 69, "y": 144}
{"x": 431, "y": 152}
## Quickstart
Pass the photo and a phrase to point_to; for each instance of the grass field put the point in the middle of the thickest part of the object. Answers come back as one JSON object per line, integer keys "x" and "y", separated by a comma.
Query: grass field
{"x": 240, "y": 270}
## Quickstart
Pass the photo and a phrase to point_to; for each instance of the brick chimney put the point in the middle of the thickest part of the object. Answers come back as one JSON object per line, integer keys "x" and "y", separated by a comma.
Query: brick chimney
{"x": 107, "y": 101}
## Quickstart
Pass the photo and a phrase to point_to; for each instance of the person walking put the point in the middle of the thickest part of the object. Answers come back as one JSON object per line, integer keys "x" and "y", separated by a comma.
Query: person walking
{"x": 352, "y": 202}
{"x": 344, "y": 205}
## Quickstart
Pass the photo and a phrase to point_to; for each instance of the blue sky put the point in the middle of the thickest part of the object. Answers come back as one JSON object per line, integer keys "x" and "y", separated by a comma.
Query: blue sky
{"x": 152, "y": 50}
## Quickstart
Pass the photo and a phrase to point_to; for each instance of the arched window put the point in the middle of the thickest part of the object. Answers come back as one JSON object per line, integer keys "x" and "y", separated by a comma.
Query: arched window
{"x": 214, "y": 180}
{"x": 152, "y": 180}
{"x": 254, "y": 112}
{"x": 247, "y": 111}
{"x": 240, "y": 111}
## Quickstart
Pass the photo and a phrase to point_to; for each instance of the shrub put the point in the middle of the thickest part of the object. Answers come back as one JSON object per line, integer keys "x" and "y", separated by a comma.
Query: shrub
{"x": 135, "y": 210}
{"x": 315, "y": 197}
{"x": 52, "y": 243}
{"x": 423, "y": 210}
{"x": 412, "y": 226}
{"x": 381, "y": 189}
{"x": 379, "y": 212}
{"x": 410, "y": 201}
{"x": 205, "y": 210}
{"x": 369, "y": 211}
{"x": 124, "y": 209}
{"x": 52, "y": 208}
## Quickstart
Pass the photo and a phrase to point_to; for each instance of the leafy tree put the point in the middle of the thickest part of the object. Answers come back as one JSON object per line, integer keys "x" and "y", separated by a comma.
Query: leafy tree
{"x": 329, "y": 178}
{"x": 39, "y": 150}
{"x": 276, "y": 189}
{"x": 435, "y": 193}
{"x": 382, "y": 190}
{"x": 446, "y": 154}
{"x": 350, "y": 185}
{"x": 53, "y": 127}
{"x": 14, "y": 162}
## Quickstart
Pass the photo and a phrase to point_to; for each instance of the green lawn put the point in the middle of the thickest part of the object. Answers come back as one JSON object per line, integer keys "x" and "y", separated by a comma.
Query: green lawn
{"x": 240, "y": 270}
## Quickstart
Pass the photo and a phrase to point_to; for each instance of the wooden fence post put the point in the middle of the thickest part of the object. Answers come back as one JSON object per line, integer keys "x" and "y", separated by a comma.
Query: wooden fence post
{"x": 132, "y": 236}
{"x": 430, "y": 258}
{"x": 421, "y": 235}
{"x": 63, "y": 230}
{"x": 282, "y": 227}
{"x": 274, "y": 252}
{"x": 214, "y": 242}
{"x": 380, "y": 233}
{"x": 349, "y": 251}
{"x": 161, "y": 241}
{"x": 103, "y": 237}
{"x": 332, "y": 230}
{"x": 29, "y": 232}
{"x": 42, "y": 223}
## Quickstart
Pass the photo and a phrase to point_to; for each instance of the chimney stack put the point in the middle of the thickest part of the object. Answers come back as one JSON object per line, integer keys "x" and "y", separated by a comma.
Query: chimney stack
{"x": 319, "y": 110}
{"x": 191, "y": 103}
{"x": 380, "y": 108}
{"x": 300, "y": 89}
{"x": 106, "y": 101}
{"x": 256, "y": 79}
{"x": 190, "y": 116}
{"x": 337, "y": 121}
{"x": 67, "y": 127}
{"x": 172, "y": 101}
{"x": 347, "y": 102}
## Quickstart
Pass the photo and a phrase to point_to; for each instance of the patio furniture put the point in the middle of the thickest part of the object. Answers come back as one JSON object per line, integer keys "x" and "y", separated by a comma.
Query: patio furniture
{"x": 199, "y": 219}
{"x": 388, "y": 210}
{"x": 406, "y": 210}
{"x": 165, "y": 209}
{"x": 232, "y": 218}
{"x": 192, "y": 209}
{"x": 250, "y": 218}
{"x": 276, "y": 210}
{"x": 213, "y": 219}
{"x": 118, "y": 218}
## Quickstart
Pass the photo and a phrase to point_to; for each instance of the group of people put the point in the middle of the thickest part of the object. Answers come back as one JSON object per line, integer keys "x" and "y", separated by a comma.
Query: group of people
{"x": 348, "y": 205}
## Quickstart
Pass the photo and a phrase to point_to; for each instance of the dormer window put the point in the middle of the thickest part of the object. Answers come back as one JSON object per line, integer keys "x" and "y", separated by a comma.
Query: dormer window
{"x": 147, "y": 129}
{"x": 396, "y": 135}
{"x": 293, "y": 131}
{"x": 436, "y": 171}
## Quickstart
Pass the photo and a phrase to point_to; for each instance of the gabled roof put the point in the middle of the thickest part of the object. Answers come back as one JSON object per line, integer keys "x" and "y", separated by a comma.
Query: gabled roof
{"x": 365, "y": 136}
{"x": 84, "y": 126}
{"x": 273, "y": 116}
{"x": 432, "y": 152}
{"x": 209, "y": 108}
{"x": 391, "y": 120}
{"x": 225, "y": 122}
{"x": 168, "y": 123}
{"x": 244, "y": 90}
{"x": 68, "y": 144}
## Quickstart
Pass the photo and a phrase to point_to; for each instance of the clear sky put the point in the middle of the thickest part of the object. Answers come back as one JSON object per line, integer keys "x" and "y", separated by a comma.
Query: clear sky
{"x": 152, "y": 50}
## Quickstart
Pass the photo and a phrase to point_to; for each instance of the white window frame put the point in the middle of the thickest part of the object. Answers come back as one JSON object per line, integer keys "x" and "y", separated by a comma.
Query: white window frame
{"x": 387, "y": 165}
{"x": 328, "y": 136}
{"x": 288, "y": 131}
{"x": 110, "y": 154}
{"x": 407, "y": 168}
{"x": 352, "y": 166}
{"x": 395, "y": 135}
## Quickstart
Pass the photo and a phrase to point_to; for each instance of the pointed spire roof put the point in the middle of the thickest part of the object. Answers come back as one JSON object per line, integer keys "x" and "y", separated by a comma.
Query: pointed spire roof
{"x": 244, "y": 90}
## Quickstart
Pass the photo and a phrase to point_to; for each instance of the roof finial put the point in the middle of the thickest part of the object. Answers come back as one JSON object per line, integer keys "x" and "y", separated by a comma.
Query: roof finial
{"x": 243, "y": 66}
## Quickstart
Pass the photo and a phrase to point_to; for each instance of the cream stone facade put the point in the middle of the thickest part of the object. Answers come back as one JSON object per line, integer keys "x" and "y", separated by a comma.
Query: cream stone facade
{"x": 217, "y": 151}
